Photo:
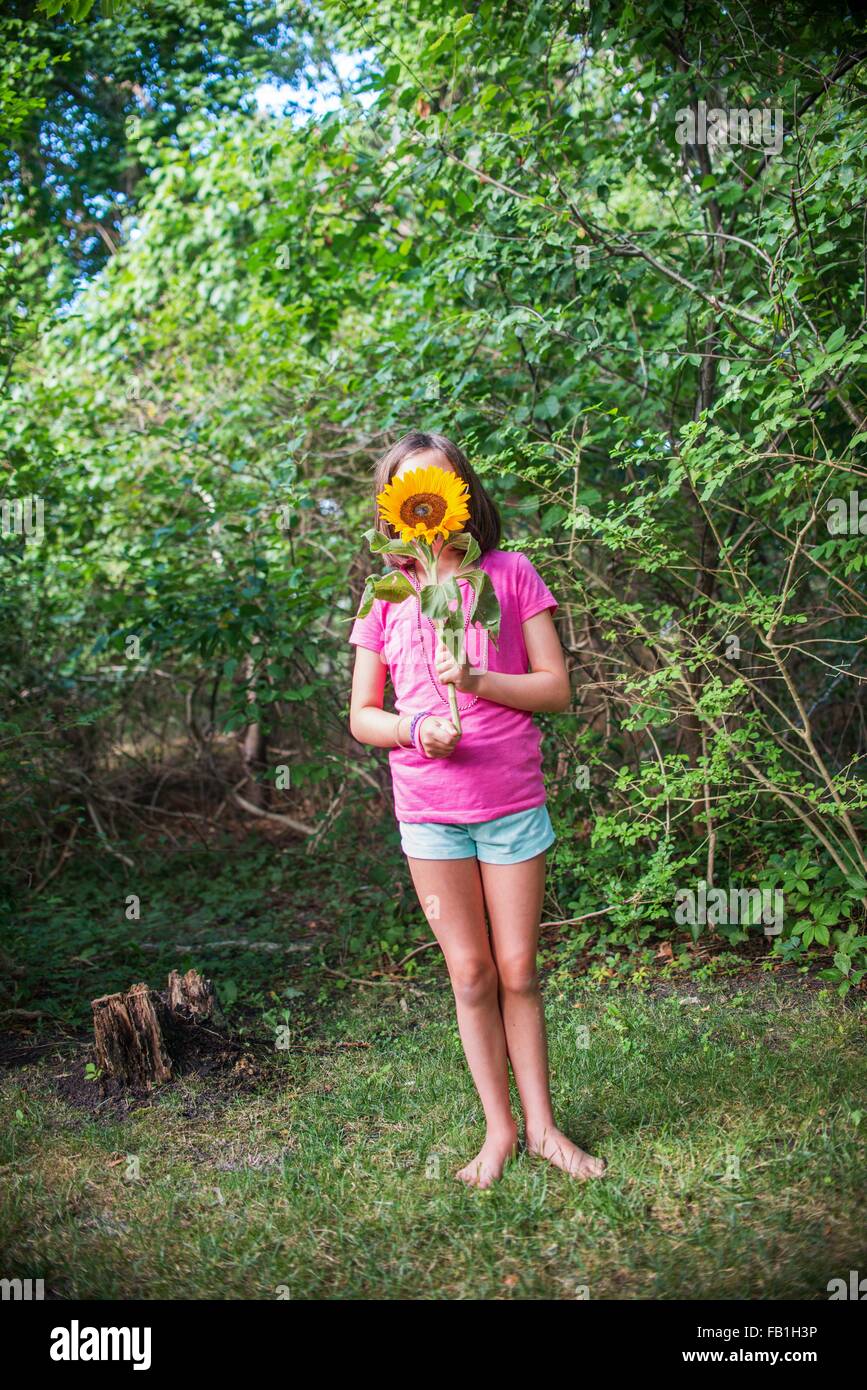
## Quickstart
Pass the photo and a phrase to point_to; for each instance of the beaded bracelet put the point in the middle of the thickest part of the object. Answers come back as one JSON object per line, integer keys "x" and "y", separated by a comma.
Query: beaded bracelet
{"x": 413, "y": 726}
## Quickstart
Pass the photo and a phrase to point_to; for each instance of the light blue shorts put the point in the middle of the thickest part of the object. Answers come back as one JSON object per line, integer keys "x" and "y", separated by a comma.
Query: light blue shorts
{"x": 504, "y": 840}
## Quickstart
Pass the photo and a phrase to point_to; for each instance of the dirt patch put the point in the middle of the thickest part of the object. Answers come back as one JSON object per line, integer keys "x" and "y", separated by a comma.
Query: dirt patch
{"x": 219, "y": 1062}
{"x": 757, "y": 985}
{"x": 222, "y": 1067}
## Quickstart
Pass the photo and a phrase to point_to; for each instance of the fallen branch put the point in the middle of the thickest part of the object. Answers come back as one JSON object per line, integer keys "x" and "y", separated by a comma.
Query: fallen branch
{"x": 61, "y": 861}
{"x": 353, "y": 980}
{"x": 298, "y": 826}
{"x": 601, "y": 912}
{"x": 130, "y": 863}
{"x": 425, "y": 946}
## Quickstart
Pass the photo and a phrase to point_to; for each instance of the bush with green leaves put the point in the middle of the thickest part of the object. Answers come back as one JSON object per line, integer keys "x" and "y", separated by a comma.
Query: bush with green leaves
{"x": 654, "y": 350}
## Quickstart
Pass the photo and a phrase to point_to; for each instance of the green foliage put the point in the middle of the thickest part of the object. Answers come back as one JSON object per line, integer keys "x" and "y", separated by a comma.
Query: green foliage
{"x": 654, "y": 352}
{"x": 110, "y": 82}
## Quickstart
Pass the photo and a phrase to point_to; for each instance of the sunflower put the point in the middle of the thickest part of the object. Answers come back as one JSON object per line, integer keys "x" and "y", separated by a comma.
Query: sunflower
{"x": 425, "y": 503}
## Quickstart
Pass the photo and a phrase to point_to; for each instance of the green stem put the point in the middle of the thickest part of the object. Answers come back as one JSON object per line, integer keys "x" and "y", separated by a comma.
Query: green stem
{"x": 429, "y": 560}
{"x": 453, "y": 694}
{"x": 453, "y": 706}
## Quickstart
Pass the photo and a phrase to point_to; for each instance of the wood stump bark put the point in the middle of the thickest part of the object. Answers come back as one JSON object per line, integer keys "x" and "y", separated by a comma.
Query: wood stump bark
{"x": 192, "y": 996}
{"x": 129, "y": 1038}
{"x": 137, "y": 1033}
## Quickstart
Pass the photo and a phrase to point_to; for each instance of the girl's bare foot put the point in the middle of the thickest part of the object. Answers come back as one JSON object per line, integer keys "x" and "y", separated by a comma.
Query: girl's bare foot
{"x": 553, "y": 1145}
{"x": 489, "y": 1162}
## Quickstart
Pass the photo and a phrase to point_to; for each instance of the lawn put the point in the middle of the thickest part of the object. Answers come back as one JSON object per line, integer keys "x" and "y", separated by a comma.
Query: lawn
{"x": 731, "y": 1118}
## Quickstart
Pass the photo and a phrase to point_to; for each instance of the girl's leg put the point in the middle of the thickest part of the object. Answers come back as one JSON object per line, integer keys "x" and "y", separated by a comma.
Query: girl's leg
{"x": 514, "y": 894}
{"x": 460, "y": 928}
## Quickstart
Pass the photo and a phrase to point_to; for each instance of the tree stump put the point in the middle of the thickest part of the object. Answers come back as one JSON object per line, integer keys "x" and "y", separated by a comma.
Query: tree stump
{"x": 129, "y": 1037}
{"x": 140, "y": 1034}
{"x": 192, "y": 996}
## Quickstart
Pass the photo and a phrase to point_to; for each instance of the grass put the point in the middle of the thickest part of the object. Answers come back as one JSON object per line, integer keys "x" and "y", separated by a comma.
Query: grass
{"x": 258, "y": 919}
{"x": 333, "y": 1178}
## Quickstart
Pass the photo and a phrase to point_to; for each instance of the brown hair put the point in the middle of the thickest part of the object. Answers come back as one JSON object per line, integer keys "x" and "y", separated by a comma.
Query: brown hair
{"x": 484, "y": 518}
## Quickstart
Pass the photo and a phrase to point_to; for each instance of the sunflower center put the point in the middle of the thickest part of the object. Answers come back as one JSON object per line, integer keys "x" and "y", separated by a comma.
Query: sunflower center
{"x": 423, "y": 507}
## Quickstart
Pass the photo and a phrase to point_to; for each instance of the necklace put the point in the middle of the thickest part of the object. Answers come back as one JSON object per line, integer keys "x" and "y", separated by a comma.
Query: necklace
{"x": 434, "y": 682}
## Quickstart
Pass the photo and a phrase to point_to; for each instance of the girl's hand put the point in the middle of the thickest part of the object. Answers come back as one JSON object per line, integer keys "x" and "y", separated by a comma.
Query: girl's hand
{"x": 438, "y": 737}
{"x": 452, "y": 672}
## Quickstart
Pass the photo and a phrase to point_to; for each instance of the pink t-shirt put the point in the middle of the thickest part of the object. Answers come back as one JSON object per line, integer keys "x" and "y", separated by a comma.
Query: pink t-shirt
{"x": 495, "y": 769}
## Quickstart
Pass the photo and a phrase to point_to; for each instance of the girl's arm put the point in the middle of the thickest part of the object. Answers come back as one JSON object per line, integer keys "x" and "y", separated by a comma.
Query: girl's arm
{"x": 544, "y": 689}
{"x": 370, "y": 723}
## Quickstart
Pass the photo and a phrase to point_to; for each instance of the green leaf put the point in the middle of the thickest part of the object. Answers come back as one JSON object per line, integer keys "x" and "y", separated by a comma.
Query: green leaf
{"x": 435, "y": 601}
{"x": 464, "y": 541}
{"x": 381, "y": 545}
{"x": 367, "y": 597}
{"x": 393, "y": 587}
{"x": 837, "y": 339}
{"x": 438, "y": 43}
{"x": 486, "y": 606}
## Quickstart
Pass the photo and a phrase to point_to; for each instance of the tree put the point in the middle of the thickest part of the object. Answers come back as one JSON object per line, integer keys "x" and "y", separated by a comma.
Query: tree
{"x": 104, "y": 90}
{"x": 516, "y": 231}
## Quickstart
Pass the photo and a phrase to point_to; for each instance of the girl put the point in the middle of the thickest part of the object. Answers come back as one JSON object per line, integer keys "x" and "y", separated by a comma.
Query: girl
{"x": 471, "y": 807}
